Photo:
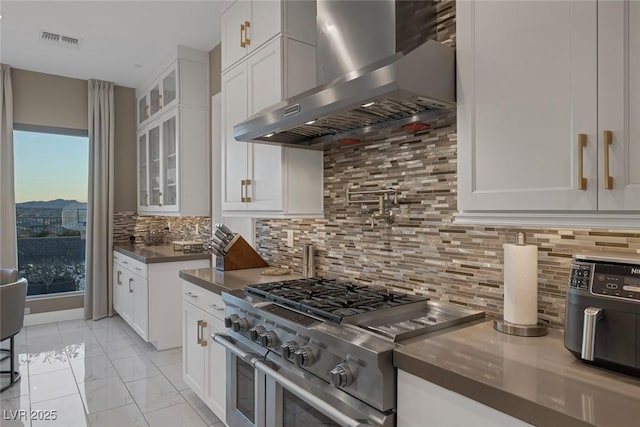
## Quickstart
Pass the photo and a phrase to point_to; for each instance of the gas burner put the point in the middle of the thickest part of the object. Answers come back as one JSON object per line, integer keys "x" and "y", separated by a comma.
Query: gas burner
{"x": 346, "y": 311}
{"x": 331, "y": 299}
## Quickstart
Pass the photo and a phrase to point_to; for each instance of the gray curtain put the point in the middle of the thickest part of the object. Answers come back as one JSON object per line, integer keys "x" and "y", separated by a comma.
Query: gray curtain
{"x": 8, "y": 243}
{"x": 98, "y": 296}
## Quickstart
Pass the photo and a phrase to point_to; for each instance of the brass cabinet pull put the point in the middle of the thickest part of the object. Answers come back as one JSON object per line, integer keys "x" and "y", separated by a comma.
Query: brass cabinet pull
{"x": 582, "y": 142}
{"x": 160, "y": 102}
{"x": 247, "y": 183}
{"x": 244, "y": 191}
{"x": 203, "y": 340}
{"x": 608, "y": 179}
{"x": 247, "y": 41}
{"x": 242, "y": 32}
{"x": 198, "y": 332}
{"x": 146, "y": 112}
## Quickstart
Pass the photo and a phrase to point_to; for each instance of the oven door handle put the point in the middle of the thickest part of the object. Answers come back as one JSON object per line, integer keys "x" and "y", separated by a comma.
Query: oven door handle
{"x": 306, "y": 395}
{"x": 224, "y": 341}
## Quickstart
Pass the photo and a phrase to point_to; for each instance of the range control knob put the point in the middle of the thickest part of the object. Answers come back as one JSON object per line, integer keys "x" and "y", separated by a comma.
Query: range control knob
{"x": 288, "y": 348}
{"x": 228, "y": 321}
{"x": 268, "y": 339}
{"x": 255, "y": 332}
{"x": 341, "y": 376}
{"x": 240, "y": 325}
{"x": 304, "y": 357}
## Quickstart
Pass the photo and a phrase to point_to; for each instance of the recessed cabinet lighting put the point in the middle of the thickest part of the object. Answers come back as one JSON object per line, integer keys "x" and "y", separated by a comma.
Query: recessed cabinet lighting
{"x": 269, "y": 135}
{"x": 368, "y": 104}
{"x": 310, "y": 122}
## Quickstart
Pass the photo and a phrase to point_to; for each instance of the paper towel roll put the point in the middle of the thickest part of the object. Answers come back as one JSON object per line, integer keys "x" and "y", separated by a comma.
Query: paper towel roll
{"x": 521, "y": 284}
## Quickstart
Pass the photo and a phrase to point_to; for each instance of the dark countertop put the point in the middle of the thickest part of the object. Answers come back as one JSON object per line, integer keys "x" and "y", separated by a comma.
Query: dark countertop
{"x": 155, "y": 254}
{"x": 534, "y": 379}
{"x": 221, "y": 281}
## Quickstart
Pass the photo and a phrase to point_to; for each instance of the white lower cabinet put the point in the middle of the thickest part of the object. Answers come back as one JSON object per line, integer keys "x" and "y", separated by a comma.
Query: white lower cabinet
{"x": 121, "y": 299}
{"x": 192, "y": 349}
{"x": 130, "y": 293}
{"x": 145, "y": 296}
{"x": 420, "y": 400}
{"x": 204, "y": 363}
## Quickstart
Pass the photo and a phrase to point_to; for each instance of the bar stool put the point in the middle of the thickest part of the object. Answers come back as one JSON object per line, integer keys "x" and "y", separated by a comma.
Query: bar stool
{"x": 13, "y": 296}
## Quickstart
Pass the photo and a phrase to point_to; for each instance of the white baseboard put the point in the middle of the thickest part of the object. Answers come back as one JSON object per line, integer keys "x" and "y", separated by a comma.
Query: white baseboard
{"x": 53, "y": 316}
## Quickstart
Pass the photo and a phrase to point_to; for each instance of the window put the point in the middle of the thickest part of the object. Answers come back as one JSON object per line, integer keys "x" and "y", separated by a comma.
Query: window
{"x": 51, "y": 187}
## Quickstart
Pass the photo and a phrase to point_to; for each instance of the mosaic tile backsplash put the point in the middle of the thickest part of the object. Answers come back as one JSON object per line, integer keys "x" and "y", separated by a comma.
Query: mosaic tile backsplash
{"x": 424, "y": 252}
{"x": 128, "y": 224}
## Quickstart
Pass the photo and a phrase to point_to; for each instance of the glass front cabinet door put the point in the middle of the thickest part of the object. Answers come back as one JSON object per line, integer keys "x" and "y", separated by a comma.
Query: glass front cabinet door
{"x": 160, "y": 96}
{"x": 158, "y": 183}
{"x": 143, "y": 177}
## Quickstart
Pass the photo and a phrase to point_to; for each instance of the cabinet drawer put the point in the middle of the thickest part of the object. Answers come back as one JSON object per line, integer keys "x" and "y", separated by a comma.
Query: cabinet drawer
{"x": 133, "y": 265}
{"x": 208, "y": 301}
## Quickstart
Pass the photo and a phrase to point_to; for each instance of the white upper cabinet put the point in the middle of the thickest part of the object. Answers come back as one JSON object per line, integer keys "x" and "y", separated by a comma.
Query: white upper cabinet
{"x": 619, "y": 105}
{"x": 234, "y": 47}
{"x": 234, "y": 153}
{"x": 527, "y": 89}
{"x": 538, "y": 85}
{"x": 258, "y": 179}
{"x": 248, "y": 25}
{"x": 181, "y": 82}
{"x": 162, "y": 94}
{"x": 159, "y": 192}
{"x": 173, "y": 142}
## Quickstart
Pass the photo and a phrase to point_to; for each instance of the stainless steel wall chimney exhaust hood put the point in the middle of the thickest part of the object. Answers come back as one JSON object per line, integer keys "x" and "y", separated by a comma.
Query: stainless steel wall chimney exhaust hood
{"x": 379, "y": 66}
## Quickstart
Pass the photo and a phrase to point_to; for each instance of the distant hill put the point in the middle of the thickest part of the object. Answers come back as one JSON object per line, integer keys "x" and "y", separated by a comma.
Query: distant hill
{"x": 49, "y": 204}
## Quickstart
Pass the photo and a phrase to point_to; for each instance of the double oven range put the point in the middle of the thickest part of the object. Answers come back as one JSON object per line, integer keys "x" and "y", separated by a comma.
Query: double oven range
{"x": 317, "y": 352}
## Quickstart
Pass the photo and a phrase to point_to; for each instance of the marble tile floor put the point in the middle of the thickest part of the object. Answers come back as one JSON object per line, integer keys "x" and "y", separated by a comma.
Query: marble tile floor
{"x": 98, "y": 374}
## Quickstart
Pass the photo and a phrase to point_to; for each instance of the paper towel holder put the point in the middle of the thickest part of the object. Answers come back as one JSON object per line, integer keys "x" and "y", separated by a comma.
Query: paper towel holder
{"x": 505, "y": 327}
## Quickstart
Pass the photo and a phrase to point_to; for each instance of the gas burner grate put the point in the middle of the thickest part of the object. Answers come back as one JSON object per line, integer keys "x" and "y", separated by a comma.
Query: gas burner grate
{"x": 331, "y": 299}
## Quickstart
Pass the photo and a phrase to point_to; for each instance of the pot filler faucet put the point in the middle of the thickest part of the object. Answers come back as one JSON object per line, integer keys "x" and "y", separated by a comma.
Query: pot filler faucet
{"x": 386, "y": 200}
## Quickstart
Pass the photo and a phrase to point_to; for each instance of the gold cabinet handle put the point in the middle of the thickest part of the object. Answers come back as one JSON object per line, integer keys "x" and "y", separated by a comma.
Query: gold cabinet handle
{"x": 608, "y": 179}
{"x": 242, "y": 32}
{"x": 146, "y": 112}
{"x": 203, "y": 340}
{"x": 582, "y": 142}
{"x": 247, "y": 183}
{"x": 244, "y": 191}
{"x": 247, "y": 41}
{"x": 160, "y": 102}
{"x": 198, "y": 332}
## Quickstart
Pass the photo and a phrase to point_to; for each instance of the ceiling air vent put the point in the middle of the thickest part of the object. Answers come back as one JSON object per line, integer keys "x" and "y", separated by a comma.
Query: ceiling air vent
{"x": 59, "y": 40}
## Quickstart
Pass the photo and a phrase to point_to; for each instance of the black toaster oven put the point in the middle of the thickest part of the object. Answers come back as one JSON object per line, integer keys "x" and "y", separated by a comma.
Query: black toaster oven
{"x": 603, "y": 311}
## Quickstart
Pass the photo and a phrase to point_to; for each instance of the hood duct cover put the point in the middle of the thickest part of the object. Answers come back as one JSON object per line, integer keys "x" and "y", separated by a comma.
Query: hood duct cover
{"x": 381, "y": 67}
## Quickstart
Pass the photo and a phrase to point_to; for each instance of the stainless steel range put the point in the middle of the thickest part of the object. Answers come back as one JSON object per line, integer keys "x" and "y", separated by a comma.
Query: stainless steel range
{"x": 319, "y": 352}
